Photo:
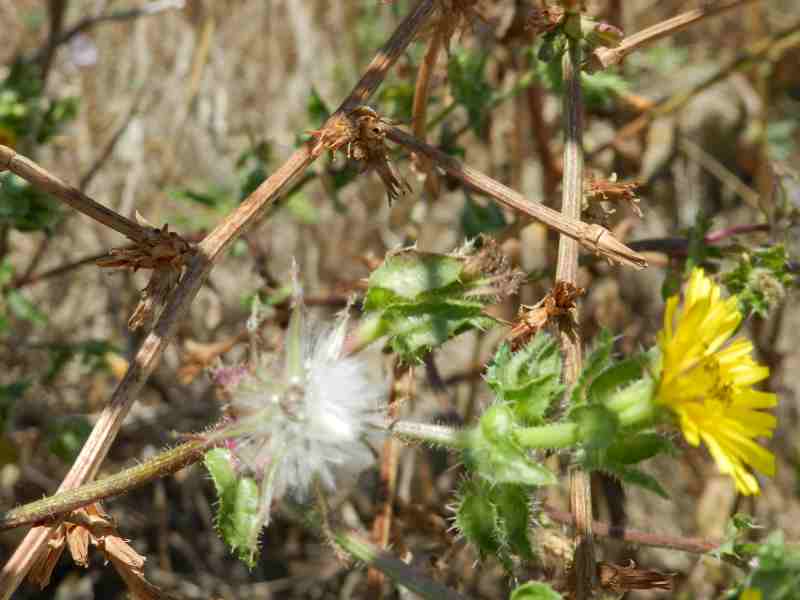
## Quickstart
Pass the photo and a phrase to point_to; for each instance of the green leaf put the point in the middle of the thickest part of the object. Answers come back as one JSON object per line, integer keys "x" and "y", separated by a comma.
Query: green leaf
{"x": 316, "y": 109}
{"x": 25, "y": 208}
{"x": 535, "y": 590}
{"x": 597, "y": 426}
{"x": 476, "y": 517}
{"x": 513, "y": 508}
{"x": 418, "y": 328}
{"x": 421, "y": 300}
{"x": 494, "y": 519}
{"x": 408, "y": 274}
{"x": 477, "y": 219}
{"x": 498, "y": 459}
{"x": 529, "y": 380}
{"x": 636, "y": 448}
{"x": 469, "y": 86}
{"x": 776, "y": 572}
{"x": 237, "y": 508}
{"x": 613, "y": 378}
{"x": 637, "y": 477}
{"x": 23, "y": 309}
{"x": 66, "y": 437}
{"x": 597, "y": 361}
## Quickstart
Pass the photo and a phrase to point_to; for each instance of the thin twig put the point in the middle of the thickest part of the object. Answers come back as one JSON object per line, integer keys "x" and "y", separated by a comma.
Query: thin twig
{"x": 387, "y": 488}
{"x": 45, "y": 181}
{"x": 782, "y": 39}
{"x": 209, "y": 250}
{"x": 164, "y": 464}
{"x": 567, "y": 271}
{"x": 419, "y": 109}
{"x": 720, "y": 171}
{"x": 602, "y": 58}
{"x": 593, "y": 237}
{"x": 149, "y": 9}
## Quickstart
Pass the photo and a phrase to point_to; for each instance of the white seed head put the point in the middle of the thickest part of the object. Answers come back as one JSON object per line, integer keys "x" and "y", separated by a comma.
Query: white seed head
{"x": 305, "y": 417}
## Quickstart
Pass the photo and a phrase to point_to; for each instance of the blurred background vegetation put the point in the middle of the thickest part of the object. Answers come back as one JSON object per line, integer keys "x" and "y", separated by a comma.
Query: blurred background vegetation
{"x": 178, "y": 112}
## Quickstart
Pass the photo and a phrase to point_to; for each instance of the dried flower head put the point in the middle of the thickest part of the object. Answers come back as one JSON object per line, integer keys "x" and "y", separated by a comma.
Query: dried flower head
{"x": 557, "y": 304}
{"x": 544, "y": 20}
{"x": 360, "y": 134}
{"x": 162, "y": 250}
{"x": 600, "y": 193}
{"x": 302, "y": 419}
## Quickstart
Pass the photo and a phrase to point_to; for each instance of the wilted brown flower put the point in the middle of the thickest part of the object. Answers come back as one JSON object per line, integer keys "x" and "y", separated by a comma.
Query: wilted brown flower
{"x": 162, "y": 250}
{"x": 556, "y": 304}
{"x": 91, "y": 526}
{"x": 600, "y": 192}
{"x": 361, "y": 136}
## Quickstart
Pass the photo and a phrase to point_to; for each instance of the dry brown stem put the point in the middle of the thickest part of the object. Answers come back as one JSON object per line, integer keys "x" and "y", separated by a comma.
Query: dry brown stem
{"x": 43, "y": 180}
{"x": 567, "y": 271}
{"x": 209, "y": 250}
{"x": 592, "y": 237}
{"x": 602, "y": 58}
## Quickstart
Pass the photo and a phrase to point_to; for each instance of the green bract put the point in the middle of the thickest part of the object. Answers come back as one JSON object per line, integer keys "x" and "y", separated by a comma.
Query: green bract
{"x": 420, "y": 300}
{"x": 528, "y": 380}
{"x": 237, "y": 509}
{"x": 494, "y": 518}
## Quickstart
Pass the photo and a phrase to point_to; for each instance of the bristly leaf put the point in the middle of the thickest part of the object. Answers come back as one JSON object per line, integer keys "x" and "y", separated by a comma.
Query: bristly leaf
{"x": 492, "y": 453}
{"x": 776, "y": 572}
{"x": 420, "y": 300}
{"x": 494, "y": 519}
{"x": 237, "y": 507}
{"x": 529, "y": 380}
{"x": 409, "y": 274}
{"x": 598, "y": 361}
{"x": 634, "y": 476}
{"x": 613, "y": 378}
{"x": 535, "y": 590}
{"x": 639, "y": 447}
{"x": 760, "y": 279}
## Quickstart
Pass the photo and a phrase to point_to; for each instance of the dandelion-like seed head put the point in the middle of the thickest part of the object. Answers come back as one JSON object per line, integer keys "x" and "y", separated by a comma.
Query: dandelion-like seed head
{"x": 707, "y": 382}
{"x": 303, "y": 418}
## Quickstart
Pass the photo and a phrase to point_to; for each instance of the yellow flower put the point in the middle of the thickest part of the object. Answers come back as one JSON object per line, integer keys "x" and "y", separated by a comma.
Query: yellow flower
{"x": 708, "y": 384}
{"x": 751, "y": 594}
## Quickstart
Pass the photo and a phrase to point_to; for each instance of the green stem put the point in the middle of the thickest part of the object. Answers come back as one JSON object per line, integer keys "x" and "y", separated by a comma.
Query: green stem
{"x": 436, "y": 435}
{"x": 556, "y": 435}
{"x": 635, "y": 405}
{"x": 161, "y": 465}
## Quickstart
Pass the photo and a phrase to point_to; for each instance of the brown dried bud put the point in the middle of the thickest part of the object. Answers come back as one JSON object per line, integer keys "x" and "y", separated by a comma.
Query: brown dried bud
{"x": 160, "y": 249}
{"x": 610, "y": 190}
{"x": 360, "y": 134}
{"x": 558, "y": 303}
{"x": 544, "y": 20}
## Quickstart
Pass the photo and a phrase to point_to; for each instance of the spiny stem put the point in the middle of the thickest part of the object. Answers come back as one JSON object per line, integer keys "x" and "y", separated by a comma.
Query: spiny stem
{"x": 567, "y": 270}
{"x": 161, "y": 465}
